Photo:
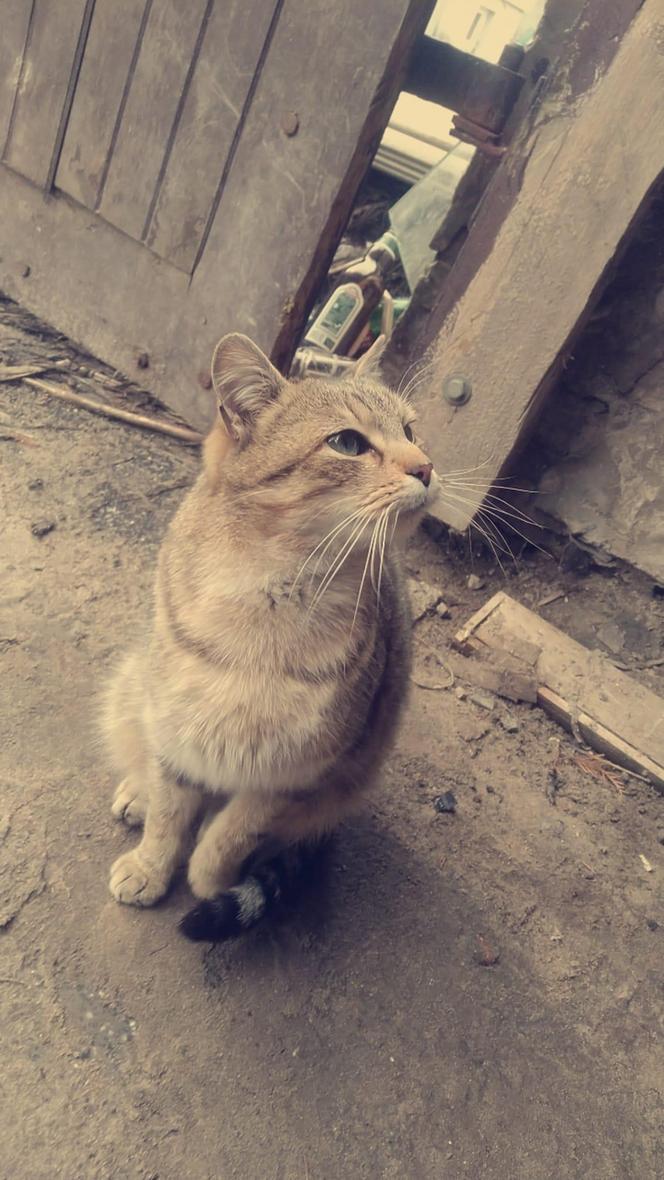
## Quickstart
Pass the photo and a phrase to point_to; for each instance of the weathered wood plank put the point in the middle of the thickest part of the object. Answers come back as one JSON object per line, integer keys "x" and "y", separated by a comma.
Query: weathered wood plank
{"x": 472, "y": 87}
{"x": 288, "y": 196}
{"x": 586, "y": 178}
{"x": 15, "y": 21}
{"x": 104, "y": 71}
{"x": 219, "y": 87}
{"x": 44, "y": 82}
{"x": 283, "y": 196}
{"x": 157, "y": 87}
{"x": 614, "y": 713}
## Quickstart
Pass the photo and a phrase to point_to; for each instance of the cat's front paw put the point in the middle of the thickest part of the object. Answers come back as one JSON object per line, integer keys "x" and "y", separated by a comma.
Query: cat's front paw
{"x": 135, "y": 883}
{"x": 128, "y": 804}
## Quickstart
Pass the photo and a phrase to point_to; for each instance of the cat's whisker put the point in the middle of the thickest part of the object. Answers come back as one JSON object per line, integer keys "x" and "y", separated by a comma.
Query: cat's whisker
{"x": 340, "y": 560}
{"x": 481, "y": 529}
{"x": 386, "y": 520}
{"x": 494, "y": 515}
{"x": 404, "y": 382}
{"x": 497, "y": 505}
{"x": 321, "y": 557}
{"x": 364, "y": 572}
{"x": 329, "y": 537}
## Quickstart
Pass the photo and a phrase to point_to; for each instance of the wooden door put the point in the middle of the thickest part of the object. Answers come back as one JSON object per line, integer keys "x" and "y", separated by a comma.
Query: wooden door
{"x": 171, "y": 171}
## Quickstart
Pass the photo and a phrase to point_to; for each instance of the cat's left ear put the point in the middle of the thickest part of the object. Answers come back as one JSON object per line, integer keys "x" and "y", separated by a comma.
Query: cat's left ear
{"x": 245, "y": 381}
{"x": 369, "y": 363}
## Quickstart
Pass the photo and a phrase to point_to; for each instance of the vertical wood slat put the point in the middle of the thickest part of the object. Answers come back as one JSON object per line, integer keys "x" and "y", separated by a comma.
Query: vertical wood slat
{"x": 113, "y": 35}
{"x": 15, "y": 24}
{"x": 221, "y": 81}
{"x": 44, "y": 85}
{"x": 162, "y": 69}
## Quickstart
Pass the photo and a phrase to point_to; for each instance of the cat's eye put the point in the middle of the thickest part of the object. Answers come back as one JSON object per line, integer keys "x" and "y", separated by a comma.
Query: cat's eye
{"x": 408, "y": 431}
{"x": 349, "y": 442}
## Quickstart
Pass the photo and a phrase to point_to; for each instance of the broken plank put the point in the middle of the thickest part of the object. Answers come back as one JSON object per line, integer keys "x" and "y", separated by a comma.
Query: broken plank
{"x": 441, "y": 73}
{"x": 516, "y": 320}
{"x": 580, "y": 688}
{"x": 497, "y": 672}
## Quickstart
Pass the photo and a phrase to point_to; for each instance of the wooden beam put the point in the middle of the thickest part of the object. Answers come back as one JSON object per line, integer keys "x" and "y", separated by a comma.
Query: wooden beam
{"x": 481, "y": 91}
{"x": 581, "y": 689}
{"x": 585, "y": 171}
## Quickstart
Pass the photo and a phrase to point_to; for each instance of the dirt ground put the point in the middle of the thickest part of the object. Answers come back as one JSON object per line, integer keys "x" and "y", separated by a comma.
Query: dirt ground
{"x": 477, "y": 994}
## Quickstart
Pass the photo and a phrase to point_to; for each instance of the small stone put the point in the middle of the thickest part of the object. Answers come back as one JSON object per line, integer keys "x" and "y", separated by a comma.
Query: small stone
{"x": 509, "y": 724}
{"x": 36, "y": 485}
{"x": 490, "y": 790}
{"x": 460, "y": 693}
{"x": 473, "y": 582}
{"x": 41, "y": 528}
{"x": 443, "y": 610}
{"x": 423, "y": 598}
{"x": 290, "y": 123}
{"x": 652, "y": 924}
{"x": 482, "y": 699}
{"x": 446, "y": 803}
{"x": 486, "y": 956}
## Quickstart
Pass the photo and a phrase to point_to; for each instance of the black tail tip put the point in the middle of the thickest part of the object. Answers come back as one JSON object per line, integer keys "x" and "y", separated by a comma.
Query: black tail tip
{"x": 212, "y": 921}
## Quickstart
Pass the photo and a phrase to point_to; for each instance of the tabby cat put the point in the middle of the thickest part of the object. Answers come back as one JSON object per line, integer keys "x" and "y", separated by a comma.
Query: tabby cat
{"x": 267, "y": 693}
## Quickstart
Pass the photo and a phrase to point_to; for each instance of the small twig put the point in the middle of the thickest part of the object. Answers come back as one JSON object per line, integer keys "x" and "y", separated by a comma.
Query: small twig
{"x": 20, "y": 372}
{"x": 9, "y": 435}
{"x": 639, "y": 667}
{"x": 184, "y": 433}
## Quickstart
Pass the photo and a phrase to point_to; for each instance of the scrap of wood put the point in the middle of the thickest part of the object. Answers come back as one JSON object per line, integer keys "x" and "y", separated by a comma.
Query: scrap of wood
{"x": 141, "y": 420}
{"x": 497, "y": 672}
{"x": 581, "y": 689}
{"x": 18, "y": 372}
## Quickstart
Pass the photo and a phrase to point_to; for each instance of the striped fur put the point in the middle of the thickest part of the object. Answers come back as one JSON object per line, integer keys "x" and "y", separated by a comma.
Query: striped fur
{"x": 269, "y": 686}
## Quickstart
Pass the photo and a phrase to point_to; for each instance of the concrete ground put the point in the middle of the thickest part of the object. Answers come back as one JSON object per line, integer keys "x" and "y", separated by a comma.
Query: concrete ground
{"x": 469, "y": 995}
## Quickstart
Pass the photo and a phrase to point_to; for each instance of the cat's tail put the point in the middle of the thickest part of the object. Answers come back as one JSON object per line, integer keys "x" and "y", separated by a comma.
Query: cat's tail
{"x": 257, "y": 895}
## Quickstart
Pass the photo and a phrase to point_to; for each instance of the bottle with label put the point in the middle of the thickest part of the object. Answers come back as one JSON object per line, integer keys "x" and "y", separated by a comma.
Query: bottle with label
{"x": 345, "y": 313}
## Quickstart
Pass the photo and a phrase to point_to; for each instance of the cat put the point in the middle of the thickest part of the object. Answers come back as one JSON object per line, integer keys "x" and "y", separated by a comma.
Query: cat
{"x": 270, "y": 686}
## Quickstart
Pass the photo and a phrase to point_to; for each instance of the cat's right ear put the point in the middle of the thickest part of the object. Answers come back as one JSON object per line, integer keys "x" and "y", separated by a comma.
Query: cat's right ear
{"x": 245, "y": 381}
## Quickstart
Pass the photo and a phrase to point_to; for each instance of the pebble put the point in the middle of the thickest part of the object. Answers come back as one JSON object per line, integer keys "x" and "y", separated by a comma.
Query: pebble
{"x": 482, "y": 699}
{"x": 445, "y": 804}
{"x": 509, "y": 724}
{"x": 460, "y": 693}
{"x": 474, "y": 582}
{"x": 41, "y": 528}
{"x": 443, "y": 610}
{"x": 423, "y": 598}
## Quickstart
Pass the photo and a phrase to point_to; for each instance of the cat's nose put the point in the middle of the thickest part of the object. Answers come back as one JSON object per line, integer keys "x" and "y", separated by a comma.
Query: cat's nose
{"x": 423, "y": 472}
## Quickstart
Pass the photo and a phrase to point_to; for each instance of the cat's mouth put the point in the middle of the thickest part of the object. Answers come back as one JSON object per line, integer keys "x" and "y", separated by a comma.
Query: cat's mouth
{"x": 418, "y": 496}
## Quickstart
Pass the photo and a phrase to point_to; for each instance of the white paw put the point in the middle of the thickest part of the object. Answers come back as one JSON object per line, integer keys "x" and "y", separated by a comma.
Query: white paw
{"x": 135, "y": 883}
{"x": 128, "y": 804}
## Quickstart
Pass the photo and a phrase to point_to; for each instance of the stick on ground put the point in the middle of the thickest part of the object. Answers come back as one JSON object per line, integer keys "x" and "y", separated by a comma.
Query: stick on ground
{"x": 184, "y": 433}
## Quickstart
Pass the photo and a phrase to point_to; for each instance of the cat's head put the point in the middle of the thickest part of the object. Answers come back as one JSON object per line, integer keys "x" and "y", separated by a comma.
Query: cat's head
{"x": 310, "y": 454}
